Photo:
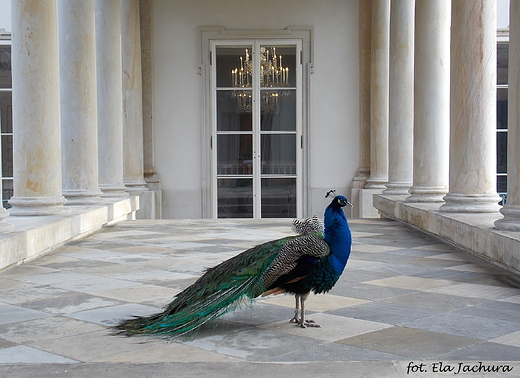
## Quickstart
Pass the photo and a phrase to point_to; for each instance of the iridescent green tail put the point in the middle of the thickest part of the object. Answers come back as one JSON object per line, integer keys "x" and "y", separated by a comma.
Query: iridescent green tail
{"x": 220, "y": 290}
{"x": 191, "y": 317}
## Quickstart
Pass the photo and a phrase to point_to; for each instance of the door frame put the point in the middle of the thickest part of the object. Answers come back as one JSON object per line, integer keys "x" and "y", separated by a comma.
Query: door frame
{"x": 207, "y": 35}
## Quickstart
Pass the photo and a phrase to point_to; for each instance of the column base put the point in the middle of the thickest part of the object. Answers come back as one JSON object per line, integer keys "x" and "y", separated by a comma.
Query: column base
{"x": 511, "y": 220}
{"x": 81, "y": 197}
{"x": 37, "y": 206}
{"x": 397, "y": 188}
{"x": 470, "y": 203}
{"x": 426, "y": 194}
{"x": 374, "y": 183}
{"x": 113, "y": 191}
{"x": 136, "y": 186}
{"x": 4, "y": 226}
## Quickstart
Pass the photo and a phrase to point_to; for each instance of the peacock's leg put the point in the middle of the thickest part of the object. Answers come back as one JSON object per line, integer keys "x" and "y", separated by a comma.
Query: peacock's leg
{"x": 304, "y": 323}
{"x": 295, "y": 318}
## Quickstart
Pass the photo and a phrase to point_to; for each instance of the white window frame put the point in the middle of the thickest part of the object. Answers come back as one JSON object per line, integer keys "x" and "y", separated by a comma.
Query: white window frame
{"x": 256, "y": 129}
{"x": 5, "y": 40}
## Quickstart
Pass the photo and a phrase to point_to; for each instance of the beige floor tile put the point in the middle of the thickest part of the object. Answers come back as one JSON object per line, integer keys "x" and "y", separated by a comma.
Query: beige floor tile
{"x": 477, "y": 268}
{"x": 320, "y": 302}
{"x": 94, "y": 346}
{"x": 477, "y": 291}
{"x": 168, "y": 352}
{"x": 140, "y": 293}
{"x": 512, "y": 339}
{"x": 372, "y": 248}
{"x": 333, "y": 327}
{"x": 360, "y": 234}
{"x": 409, "y": 282}
{"x": 46, "y": 329}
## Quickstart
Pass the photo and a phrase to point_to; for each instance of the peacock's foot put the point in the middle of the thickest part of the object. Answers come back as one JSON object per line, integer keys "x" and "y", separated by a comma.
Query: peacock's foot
{"x": 308, "y": 323}
{"x": 294, "y": 319}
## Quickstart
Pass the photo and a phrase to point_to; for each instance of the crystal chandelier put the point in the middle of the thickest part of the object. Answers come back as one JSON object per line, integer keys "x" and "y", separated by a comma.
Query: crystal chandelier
{"x": 272, "y": 75}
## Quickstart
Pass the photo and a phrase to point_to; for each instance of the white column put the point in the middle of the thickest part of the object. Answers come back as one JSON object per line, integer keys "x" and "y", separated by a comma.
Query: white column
{"x": 365, "y": 59}
{"x": 400, "y": 130}
{"x": 36, "y": 109}
{"x": 109, "y": 97}
{"x": 379, "y": 95}
{"x": 473, "y": 108}
{"x": 431, "y": 101}
{"x": 511, "y": 209}
{"x": 78, "y": 102}
{"x": 132, "y": 97}
{"x": 146, "y": 28}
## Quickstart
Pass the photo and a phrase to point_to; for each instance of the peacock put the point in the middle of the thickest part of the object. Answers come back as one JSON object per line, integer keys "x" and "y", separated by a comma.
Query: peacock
{"x": 313, "y": 261}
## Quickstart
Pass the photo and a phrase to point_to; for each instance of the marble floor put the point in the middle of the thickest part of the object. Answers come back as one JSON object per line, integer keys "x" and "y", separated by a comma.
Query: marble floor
{"x": 406, "y": 305}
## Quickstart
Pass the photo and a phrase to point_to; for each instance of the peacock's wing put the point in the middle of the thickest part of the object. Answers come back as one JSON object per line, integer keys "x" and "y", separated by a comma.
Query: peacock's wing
{"x": 296, "y": 256}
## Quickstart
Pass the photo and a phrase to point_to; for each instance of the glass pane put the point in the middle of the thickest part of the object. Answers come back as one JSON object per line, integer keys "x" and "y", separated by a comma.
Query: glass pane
{"x": 502, "y": 62}
{"x": 6, "y": 112}
{"x": 232, "y": 111}
{"x": 5, "y": 67}
{"x": 502, "y": 152}
{"x": 278, "y": 66}
{"x": 235, "y": 154}
{"x": 7, "y": 192}
{"x": 235, "y": 198}
{"x": 234, "y": 66}
{"x": 501, "y": 184}
{"x": 501, "y": 108}
{"x": 279, "y": 154}
{"x": 7, "y": 156}
{"x": 278, "y": 110}
{"x": 278, "y": 198}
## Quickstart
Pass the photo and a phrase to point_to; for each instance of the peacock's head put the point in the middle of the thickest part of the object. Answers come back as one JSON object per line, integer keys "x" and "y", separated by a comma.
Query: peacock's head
{"x": 340, "y": 201}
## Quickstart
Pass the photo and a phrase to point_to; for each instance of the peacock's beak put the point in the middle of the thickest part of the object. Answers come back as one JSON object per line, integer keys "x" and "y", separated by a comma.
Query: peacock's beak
{"x": 345, "y": 202}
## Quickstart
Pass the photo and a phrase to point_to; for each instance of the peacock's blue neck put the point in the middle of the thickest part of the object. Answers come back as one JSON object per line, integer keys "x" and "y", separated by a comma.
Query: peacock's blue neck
{"x": 338, "y": 237}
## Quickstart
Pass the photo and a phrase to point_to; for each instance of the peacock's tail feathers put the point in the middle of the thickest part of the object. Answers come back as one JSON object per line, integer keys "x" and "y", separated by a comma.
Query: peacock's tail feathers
{"x": 221, "y": 289}
{"x": 190, "y": 318}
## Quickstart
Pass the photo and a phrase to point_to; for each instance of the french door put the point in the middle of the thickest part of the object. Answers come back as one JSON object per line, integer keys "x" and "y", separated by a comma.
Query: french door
{"x": 256, "y": 129}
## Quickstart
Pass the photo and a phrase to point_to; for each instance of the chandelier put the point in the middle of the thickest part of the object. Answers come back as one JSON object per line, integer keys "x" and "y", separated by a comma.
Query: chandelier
{"x": 272, "y": 75}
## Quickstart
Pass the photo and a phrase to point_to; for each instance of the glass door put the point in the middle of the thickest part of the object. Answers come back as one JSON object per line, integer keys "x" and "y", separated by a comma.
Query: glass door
{"x": 256, "y": 130}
